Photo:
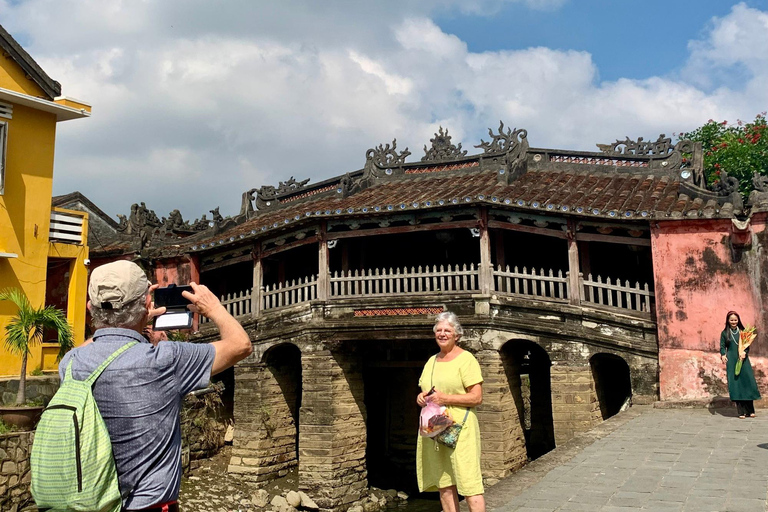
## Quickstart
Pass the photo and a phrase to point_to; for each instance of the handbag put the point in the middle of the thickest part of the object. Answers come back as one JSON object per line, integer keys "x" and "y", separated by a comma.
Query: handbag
{"x": 450, "y": 436}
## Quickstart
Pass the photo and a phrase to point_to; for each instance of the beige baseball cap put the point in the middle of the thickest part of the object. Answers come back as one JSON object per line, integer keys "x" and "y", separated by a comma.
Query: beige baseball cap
{"x": 116, "y": 284}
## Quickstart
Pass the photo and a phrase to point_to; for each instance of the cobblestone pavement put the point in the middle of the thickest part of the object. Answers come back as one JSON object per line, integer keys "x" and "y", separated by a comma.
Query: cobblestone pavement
{"x": 691, "y": 460}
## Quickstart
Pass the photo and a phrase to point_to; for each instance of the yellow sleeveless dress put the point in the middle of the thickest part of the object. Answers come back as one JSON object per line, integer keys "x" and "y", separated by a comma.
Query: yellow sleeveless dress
{"x": 438, "y": 466}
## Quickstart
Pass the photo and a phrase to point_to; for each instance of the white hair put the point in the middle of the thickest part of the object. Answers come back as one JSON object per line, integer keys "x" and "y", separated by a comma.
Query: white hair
{"x": 452, "y": 319}
{"x": 127, "y": 316}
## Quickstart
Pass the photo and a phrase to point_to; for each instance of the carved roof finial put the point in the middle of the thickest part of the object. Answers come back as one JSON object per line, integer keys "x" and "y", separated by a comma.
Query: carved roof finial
{"x": 442, "y": 148}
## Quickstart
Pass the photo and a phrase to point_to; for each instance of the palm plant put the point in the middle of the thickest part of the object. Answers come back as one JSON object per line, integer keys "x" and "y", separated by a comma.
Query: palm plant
{"x": 26, "y": 329}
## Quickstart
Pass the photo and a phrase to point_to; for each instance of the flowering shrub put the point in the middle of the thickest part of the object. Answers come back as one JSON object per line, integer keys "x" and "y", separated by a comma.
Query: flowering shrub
{"x": 739, "y": 149}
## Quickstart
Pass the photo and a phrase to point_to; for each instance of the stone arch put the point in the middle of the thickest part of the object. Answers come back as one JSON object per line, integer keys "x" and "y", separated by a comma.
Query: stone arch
{"x": 266, "y": 411}
{"x": 281, "y": 401}
{"x": 527, "y": 368}
{"x": 613, "y": 383}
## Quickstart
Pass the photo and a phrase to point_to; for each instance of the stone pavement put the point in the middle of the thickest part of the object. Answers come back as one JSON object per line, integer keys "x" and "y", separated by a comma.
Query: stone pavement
{"x": 692, "y": 460}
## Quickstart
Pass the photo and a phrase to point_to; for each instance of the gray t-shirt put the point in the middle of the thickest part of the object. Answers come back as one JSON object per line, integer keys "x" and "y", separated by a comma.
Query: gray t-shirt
{"x": 139, "y": 396}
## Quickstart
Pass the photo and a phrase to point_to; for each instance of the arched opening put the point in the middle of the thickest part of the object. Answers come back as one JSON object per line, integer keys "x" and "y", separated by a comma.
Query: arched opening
{"x": 612, "y": 383}
{"x": 280, "y": 402}
{"x": 391, "y": 371}
{"x": 527, "y": 366}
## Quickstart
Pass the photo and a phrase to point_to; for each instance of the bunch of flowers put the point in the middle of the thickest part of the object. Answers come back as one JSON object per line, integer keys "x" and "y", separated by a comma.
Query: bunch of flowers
{"x": 746, "y": 337}
{"x": 740, "y": 149}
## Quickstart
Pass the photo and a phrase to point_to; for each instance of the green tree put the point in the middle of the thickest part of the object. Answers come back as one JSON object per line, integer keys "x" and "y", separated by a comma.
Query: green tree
{"x": 26, "y": 328}
{"x": 738, "y": 149}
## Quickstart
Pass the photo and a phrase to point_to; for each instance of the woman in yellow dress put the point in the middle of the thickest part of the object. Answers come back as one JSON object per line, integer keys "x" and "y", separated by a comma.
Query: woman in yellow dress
{"x": 452, "y": 378}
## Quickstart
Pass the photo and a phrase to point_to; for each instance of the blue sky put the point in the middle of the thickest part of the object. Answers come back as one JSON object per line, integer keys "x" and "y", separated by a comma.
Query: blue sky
{"x": 626, "y": 39}
{"x": 195, "y": 102}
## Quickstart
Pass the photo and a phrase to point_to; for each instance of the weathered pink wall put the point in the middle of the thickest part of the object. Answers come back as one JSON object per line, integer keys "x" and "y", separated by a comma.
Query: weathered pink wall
{"x": 177, "y": 271}
{"x": 699, "y": 276}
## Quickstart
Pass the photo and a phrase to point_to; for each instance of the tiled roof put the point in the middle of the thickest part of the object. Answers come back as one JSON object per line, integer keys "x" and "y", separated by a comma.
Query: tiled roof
{"x": 607, "y": 195}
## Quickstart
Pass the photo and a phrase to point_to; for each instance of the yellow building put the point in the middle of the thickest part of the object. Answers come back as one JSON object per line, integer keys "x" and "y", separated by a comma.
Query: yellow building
{"x": 37, "y": 242}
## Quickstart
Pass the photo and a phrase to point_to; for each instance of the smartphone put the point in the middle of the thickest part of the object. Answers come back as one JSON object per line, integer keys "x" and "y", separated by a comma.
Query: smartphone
{"x": 176, "y": 315}
{"x": 170, "y": 296}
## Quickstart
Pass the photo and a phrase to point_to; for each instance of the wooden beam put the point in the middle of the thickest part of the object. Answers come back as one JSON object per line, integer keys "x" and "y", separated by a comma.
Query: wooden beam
{"x": 462, "y": 224}
{"x": 258, "y": 279}
{"x": 497, "y": 224}
{"x": 486, "y": 268}
{"x": 291, "y": 245}
{"x": 225, "y": 263}
{"x": 323, "y": 271}
{"x": 574, "y": 296}
{"x": 628, "y": 240}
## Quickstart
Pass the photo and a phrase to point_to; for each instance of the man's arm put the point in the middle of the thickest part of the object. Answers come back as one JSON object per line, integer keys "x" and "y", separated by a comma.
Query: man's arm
{"x": 234, "y": 344}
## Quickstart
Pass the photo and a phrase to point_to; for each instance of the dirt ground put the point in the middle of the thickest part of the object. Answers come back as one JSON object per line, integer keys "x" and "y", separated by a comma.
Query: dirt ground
{"x": 209, "y": 488}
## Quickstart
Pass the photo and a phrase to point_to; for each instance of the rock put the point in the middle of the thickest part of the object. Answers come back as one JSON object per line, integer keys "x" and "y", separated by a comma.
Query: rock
{"x": 391, "y": 493}
{"x": 306, "y": 502}
{"x": 293, "y": 499}
{"x": 279, "y": 502}
{"x": 371, "y": 506}
{"x": 374, "y": 498}
{"x": 402, "y": 496}
{"x": 355, "y": 508}
{"x": 382, "y": 502}
{"x": 230, "y": 435}
{"x": 260, "y": 498}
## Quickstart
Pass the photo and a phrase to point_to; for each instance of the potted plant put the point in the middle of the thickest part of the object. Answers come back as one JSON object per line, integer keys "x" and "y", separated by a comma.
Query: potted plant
{"x": 24, "y": 330}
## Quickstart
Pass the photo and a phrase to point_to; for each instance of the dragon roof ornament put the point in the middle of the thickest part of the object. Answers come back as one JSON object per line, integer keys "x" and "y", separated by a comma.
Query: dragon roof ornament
{"x": 442, "y": 148}
{"x": 386, "y": 155}
{"x": 503, "y": 141}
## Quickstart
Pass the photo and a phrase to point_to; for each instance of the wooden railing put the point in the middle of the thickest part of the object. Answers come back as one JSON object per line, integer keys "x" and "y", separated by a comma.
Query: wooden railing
{"x": 289, "y": 293}
{"x": 525, "y": 283}
{"x": 616, "y": 295}
{"x": 66, "y": 227}
{"x": 393, "y": 282}
{"x": 237, "y": 304}
{"x": 512, "y": 282}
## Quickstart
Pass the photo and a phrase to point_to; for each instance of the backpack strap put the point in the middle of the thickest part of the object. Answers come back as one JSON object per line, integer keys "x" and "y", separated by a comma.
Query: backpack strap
{"x": 103, "y": 366}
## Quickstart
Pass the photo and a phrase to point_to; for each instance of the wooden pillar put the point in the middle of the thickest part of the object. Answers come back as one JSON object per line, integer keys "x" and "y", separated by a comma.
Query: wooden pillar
{"x": 573, "y": 264}
{"x": 486, "y": 268}
{"x": 258, "y": 279}
{"x": 323, "y": 275}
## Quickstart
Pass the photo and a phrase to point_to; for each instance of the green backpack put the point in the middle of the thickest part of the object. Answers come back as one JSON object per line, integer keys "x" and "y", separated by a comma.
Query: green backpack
{"x": 72, "y": 464}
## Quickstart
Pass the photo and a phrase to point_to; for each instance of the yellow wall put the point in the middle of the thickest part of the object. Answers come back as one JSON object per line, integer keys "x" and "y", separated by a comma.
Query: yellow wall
{"x": 14, "y": 78}
{"x": 25, "y": 210}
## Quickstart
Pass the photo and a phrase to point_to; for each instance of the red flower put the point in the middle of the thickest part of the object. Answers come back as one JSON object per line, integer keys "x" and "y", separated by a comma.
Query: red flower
{"x": 741, "y": 141}
{"x": 717, "y": 166}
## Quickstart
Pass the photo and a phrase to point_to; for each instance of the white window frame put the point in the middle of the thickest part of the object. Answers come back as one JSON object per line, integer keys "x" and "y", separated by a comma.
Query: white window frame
{"x": 3, "y": 145}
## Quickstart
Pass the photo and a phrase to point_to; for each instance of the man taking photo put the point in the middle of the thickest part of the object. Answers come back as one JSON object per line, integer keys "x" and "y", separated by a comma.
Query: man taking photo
{"x": 140, "y": 393}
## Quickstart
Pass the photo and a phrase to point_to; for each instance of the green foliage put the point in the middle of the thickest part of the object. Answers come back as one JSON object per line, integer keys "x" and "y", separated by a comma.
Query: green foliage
{"x": 27, "y": 328}
{"x": 5, "y": 428}
{"x": 739, "y": 149}
{"x": 37, "y": 372}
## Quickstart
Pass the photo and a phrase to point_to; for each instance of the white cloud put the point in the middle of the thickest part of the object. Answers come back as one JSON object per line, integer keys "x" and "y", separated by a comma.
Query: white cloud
{"x": 195, "y": 102}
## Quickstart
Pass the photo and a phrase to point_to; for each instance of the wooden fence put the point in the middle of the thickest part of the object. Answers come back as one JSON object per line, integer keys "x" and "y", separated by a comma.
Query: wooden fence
{"x": 616, "y": 295}
{"x": 525, "y": 283}
{"x": 515, "y": 282}
{"x": 289, "y": 293}
{"x": 417, "y": 280}
{"x": 237, "y": 304}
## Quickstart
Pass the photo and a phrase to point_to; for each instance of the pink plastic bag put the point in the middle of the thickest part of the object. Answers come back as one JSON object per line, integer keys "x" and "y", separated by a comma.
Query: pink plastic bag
{"x": 433, "y": 420}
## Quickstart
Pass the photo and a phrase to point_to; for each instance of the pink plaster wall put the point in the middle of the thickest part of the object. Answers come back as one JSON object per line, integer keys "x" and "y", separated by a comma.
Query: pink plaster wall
{"x": 177, "y": 271}
{"x": 698, "y": 278}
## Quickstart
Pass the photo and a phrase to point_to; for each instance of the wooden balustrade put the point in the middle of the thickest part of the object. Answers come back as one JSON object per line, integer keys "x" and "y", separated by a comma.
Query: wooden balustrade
{"x": 425, "y": 280}
{"x": 616, "y": 295}
{"x": 288, "y": 293}
{"x": 525, "y": 283}
{"x": 393, "y": 282}
{"x": 237, "y": 304}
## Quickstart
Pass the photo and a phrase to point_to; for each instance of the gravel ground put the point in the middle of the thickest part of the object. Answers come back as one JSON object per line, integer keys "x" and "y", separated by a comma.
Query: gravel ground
{"x": 210, "y": 489}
